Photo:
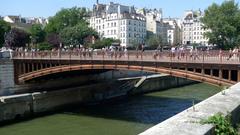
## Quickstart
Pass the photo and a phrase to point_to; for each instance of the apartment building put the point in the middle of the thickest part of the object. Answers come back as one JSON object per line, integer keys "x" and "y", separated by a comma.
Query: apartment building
{"x": 174, "y": 35}
{"x": 119, "y": 22}
{"x": 192, "y": 28}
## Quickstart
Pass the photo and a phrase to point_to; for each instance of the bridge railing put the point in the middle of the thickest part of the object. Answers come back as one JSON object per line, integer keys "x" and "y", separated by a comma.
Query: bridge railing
{"x": 213, "y": 56}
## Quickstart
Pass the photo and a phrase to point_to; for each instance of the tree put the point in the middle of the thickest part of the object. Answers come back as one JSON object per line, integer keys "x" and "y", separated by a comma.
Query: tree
{"x": 105, "y": 42}
{"x": 44, "y": 46}
{"x": 75, "y": 35}
{"x": 154, "y": 42}
{"x": 223, "y": 22}
{"x": 37, "y": 33}
{"x": 4, "y": 28}
{"x": 54, "y": 40}
{"x": 17, "y": 38}
{"x": 66, "y": 18}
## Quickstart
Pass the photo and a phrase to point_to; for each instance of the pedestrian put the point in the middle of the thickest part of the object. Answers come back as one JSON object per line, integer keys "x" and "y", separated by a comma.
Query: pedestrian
{"x": 230, "y": 54}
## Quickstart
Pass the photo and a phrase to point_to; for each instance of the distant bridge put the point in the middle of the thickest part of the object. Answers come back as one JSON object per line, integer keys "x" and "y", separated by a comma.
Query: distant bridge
{"x": 213, "y": 67}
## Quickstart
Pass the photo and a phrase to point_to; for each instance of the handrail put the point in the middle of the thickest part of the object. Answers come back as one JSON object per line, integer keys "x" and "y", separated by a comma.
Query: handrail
{"x": 213, "y": 56}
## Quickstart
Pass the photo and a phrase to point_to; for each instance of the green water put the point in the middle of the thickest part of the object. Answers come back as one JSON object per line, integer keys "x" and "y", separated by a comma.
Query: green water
{"x": 127, "y": 116}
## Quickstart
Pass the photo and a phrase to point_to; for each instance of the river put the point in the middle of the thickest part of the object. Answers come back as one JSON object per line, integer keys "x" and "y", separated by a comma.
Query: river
{"x": 128, "y": 116}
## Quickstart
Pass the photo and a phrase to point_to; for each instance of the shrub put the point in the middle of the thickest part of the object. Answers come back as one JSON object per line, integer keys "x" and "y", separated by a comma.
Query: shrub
{"x": 44, "y": 46}
{"x": 222, "y": 124}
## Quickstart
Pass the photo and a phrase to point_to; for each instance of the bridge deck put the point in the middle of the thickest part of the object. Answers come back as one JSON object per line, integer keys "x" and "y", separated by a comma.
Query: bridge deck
{"x": 184, "y": 64}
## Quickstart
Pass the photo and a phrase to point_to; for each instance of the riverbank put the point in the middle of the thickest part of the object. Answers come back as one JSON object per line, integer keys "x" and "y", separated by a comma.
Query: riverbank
{"x": 126, "y": 116}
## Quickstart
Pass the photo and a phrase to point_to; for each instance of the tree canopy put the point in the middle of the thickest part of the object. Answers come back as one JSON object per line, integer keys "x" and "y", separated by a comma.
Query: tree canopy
{"x": 17, "y": 38}
{"x": 154, "y": 41}
{"x": 75, "y": 35}
{"x": 105, "y": 42}
{"x": 53, "y": 39}
{"x": 66, "y": 18}
{"x": 4, "y": 28}
{"x": 223, "y": 23}
{"x": 37, "y": 33}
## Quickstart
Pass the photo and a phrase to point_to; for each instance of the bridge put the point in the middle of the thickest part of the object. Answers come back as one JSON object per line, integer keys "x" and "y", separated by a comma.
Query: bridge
{"x": 213, "y": 67}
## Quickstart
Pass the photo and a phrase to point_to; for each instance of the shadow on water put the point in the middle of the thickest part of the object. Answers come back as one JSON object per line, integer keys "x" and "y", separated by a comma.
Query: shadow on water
{"x": 143, "y": 109}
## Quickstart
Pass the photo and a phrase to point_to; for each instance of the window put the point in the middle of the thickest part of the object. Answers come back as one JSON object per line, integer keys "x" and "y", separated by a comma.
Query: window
{"x": 129, "y": 35}
{"x": 115, "y": 24}
{"x": 129, "y": 22}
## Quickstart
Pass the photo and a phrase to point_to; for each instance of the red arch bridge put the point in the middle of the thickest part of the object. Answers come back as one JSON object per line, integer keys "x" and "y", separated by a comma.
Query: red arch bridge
{"x": 213, "y": 67}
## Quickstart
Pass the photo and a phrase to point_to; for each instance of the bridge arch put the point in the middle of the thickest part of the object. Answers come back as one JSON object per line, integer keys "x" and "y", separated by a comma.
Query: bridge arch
{"x": 173, "y": 72}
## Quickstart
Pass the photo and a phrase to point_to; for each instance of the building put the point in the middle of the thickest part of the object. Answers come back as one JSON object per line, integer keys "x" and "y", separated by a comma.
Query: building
{"x": 25, "y": 20}
{"x": 119, "y": 22}
{"x": 192, "y": 28}
{"x": 174, "y": 36}
{"x": 13, "y": 19}
{"x": 168, "y": 29}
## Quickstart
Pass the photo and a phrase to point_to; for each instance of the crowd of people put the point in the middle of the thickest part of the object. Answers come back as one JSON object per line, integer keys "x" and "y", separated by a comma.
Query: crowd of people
{"x": 174, "y": 52}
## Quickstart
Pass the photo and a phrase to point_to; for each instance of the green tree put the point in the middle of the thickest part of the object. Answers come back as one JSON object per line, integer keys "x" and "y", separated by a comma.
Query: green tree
{"x": 223, "y": 22}
{"x": 154, "y": 41}
{"x": 66, "y": 18}
{"x": 37, "y": 33}
{"x": 4, "y": 28}
{"x": 75, "y": 35}
{"x": 105, "y": 42}
{"x": 44, "y": 46}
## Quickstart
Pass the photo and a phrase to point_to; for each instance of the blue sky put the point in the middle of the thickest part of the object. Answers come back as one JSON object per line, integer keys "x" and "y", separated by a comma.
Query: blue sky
{"x": 45, "y": 8}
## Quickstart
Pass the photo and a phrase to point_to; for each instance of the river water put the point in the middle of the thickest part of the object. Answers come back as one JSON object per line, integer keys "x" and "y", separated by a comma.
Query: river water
{"x": 128, "y": 116}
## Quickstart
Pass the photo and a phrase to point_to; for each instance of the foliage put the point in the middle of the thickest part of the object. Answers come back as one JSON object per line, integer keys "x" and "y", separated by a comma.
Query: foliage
{"x": 66, "y": 18}
{"x": 105, "y": 42}
{"x": 134, "y": 44}
{"x": 75, "y": 35}
{"x": 17, "y": 38}
{"x": 44, "y": 46}
{"x": 154, "y": 41}
{"x": 222, "y": 124}
{"x": 4, "y": 28}
{"x": 53, "y": 39}
{"x": 37, "y": 33}
{"x": 224, "y": 24}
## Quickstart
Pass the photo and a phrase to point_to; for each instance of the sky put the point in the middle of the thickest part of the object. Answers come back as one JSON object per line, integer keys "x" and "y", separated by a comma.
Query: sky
{"x": 46, "y": 8}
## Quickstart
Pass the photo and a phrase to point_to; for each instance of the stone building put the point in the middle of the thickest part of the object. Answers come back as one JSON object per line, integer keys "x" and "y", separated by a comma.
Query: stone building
{"x": 193, "y": 32}
{"x": 119, "y": 22}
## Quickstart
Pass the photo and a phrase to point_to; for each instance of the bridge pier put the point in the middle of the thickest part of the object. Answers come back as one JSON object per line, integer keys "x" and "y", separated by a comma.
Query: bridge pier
{"x": 229, "y": 74}
{"x": 238, "y": 78}
{"x": 220, "y": 73}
